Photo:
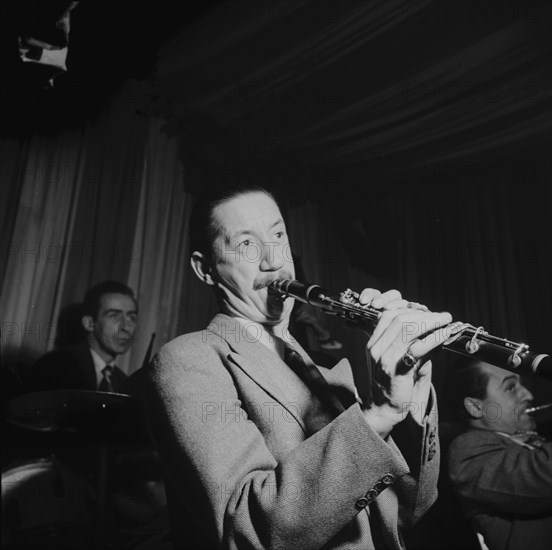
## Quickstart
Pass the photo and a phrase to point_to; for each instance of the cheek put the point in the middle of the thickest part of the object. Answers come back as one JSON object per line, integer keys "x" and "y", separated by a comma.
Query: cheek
{"x": 514, "y": 408}
{"x": 237, "y": 277}
{"x": 285, "y": 252}
{"x": 110, "y": 329}
{"x": 240, "y": 269}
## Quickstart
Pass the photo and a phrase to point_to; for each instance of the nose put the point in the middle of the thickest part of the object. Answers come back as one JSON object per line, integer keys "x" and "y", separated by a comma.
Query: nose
{"x": 272, "y": 256}
{"x": 526, "y": 394}
{"x": 128, "y": 325}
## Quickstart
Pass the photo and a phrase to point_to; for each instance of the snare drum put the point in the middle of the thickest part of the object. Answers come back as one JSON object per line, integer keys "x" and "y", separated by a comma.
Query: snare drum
{"x": 46, "y": 504}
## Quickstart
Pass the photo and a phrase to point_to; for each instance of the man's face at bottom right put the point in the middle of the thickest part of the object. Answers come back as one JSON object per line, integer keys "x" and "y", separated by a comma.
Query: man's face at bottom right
{"x": 505, "y": 403}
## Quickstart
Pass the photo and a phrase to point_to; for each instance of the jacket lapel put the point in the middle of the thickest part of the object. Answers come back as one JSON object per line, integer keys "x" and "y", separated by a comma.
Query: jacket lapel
{"x": 86, "y": 364}
{"x": 255, "y": 360}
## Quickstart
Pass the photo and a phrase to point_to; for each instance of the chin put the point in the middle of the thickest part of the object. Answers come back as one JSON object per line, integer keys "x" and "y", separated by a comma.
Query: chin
{"x": 528, "y": 425}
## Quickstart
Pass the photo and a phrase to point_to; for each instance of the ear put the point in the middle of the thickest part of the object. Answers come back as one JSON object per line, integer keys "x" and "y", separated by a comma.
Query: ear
{"x": 202, "y": 268}
{"x": 474, "y": 407}
{"x": 88, "y": 323}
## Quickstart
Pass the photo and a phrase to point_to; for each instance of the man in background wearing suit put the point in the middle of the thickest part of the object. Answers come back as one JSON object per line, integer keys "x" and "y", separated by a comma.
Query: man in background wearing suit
{"x": 136, "y": 495}
{"x": 262, "y": 448}
{"x": 500, "y": 466}
{"x": 109, "y": 319}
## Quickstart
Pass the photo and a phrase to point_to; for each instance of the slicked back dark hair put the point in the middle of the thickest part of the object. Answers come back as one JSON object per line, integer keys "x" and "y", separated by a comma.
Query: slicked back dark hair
{"x": 466, "y": 379}
{"x": 93, "y": 297}
{"x": 203, "y": 228}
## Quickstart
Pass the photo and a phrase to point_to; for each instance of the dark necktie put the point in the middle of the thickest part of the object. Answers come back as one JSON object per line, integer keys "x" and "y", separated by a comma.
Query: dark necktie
{"x": 106, "y": 383}
{"x": 329, "y": 405}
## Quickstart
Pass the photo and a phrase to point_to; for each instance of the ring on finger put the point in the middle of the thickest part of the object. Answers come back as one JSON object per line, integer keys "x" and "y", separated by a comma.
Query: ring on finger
{"x": 408, "y": 359}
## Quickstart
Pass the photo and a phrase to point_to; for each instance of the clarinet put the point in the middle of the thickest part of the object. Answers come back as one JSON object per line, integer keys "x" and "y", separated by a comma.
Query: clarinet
{"x": 469, "y": 341}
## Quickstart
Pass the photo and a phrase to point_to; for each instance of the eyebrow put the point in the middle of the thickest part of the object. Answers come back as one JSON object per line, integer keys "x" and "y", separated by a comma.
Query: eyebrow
{"x": 249, "y": 231}
{"x": 113, "y": 310}
{"x": 514, "y": 377}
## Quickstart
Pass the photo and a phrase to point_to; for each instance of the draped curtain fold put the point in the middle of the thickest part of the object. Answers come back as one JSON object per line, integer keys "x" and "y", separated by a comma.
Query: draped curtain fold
{"x": 105, "y": 202}
{"x": 412, "y": 132}
{"x": 370, "y": 85}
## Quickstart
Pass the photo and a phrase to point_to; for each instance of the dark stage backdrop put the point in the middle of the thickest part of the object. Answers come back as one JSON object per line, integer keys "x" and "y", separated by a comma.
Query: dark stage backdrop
{"x": 409, "y": 143}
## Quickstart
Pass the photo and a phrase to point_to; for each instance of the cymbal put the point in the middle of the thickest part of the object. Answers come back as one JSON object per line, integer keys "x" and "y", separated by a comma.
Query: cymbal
{"x": 72, "y": 410}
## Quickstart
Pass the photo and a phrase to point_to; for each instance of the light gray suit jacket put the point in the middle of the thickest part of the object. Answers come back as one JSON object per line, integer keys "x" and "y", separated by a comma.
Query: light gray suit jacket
{"x": 231, "y": 423}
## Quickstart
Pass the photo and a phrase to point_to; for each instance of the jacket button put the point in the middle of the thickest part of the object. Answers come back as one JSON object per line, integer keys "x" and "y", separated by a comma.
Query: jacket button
{"x": 371, "y": 494}
{"x": 361, "y": 503}
{"x": 387, "y": 479}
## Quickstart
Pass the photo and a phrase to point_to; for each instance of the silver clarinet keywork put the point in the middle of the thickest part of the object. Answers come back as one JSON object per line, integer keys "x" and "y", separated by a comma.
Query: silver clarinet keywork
{"x": 466, "y": 340}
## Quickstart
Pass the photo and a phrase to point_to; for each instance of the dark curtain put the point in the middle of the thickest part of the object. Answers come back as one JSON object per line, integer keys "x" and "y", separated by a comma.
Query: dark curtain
{"x": 417, "y": 134}
{"x": 408, "y": 142}
{"x": 102, "y": 200}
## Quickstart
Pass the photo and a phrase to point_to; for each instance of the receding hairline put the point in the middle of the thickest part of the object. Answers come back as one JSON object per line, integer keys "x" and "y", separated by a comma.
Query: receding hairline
{"x": 94, "y": 295}
{"x": 125, "y": 295}
{"x": 502, "y": 374}
{"x": 475, "y": 365}
{"x": 240, "y": 194}
{"x": 216, "y": 224}
{"x": 204, "y": 225}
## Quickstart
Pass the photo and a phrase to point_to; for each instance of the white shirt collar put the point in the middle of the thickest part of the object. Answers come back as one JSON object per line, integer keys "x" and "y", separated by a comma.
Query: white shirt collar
{"x": 530, "y": 439}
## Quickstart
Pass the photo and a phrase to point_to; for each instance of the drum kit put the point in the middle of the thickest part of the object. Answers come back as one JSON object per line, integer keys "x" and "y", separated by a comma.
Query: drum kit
{"x": 52, "y": 498}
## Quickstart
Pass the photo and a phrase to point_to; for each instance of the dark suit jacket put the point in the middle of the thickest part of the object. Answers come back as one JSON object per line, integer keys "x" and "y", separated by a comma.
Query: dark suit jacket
{"x": 70, "y": 368}
{"x": 244, "y": 470}
{"x": 506, "y": 489}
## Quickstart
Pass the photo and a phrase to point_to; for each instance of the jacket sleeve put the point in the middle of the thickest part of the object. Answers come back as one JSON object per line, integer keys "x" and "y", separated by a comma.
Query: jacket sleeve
{"x": 55, "y": 371}
{"x": 233, "y": 485}
{"x": 508, "y": 477}
{"x": 417, "y": 439}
